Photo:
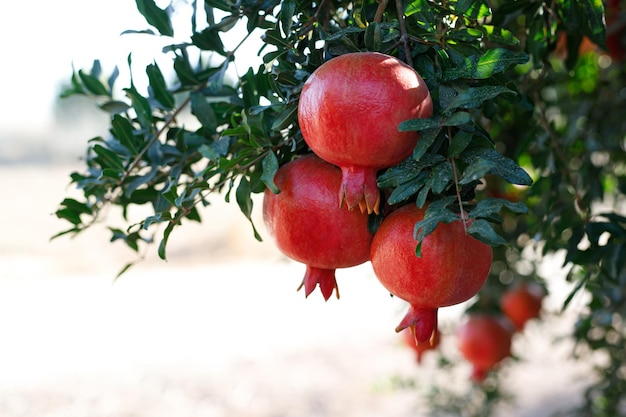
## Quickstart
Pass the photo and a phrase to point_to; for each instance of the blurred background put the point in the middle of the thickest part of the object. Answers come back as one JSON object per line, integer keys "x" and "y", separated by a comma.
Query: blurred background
{"x": 218, "y": 329}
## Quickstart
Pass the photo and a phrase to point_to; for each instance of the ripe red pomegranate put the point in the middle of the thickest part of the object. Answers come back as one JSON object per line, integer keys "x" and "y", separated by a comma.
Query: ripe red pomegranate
{"x": 484, "y": 341}
{"x": 521, "y": 304}
{"x": 308, "y": 226}
{"x": 408, "y": 338}
{"x": 452, "y": 268}
{"x": 349, "y": 112}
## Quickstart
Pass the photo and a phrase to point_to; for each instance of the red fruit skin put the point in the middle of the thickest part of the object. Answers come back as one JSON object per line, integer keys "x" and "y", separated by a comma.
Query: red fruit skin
{"x": 452, "y": 268}
{"x": 408, "y": 338}
{"x": 484, "y": 341}
{"x": 308, "y": 226}
{"x": 522, "y": 304}
{"x": 616, "y": 30}
{"x": 349, "y": 111}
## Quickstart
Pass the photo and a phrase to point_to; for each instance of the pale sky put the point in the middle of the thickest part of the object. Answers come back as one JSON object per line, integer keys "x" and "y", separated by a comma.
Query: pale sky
{"x": 41, "y": 40}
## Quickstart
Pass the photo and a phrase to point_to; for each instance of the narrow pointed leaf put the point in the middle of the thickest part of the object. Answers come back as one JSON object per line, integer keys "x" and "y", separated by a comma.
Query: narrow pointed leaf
{"x": 155, "y": 16}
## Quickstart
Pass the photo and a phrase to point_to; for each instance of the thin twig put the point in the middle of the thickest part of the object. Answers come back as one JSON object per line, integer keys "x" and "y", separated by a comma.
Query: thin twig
{"x": 172, "y": 118}
{"x": 154, "y": 138}
{"x": 455, "y": 175}
{"x": 378, "y": 17}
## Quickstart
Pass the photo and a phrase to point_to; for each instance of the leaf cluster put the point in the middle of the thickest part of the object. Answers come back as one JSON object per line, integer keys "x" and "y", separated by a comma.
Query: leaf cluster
{"x": 510, "y": 111}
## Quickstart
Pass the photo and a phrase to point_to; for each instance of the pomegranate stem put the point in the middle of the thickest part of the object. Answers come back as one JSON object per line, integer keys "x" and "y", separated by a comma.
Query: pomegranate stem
{"x": 359, "y": 189}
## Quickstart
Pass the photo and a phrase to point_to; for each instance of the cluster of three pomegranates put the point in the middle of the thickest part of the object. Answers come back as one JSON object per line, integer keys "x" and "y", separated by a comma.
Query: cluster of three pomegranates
{"x": 349, "y": 112}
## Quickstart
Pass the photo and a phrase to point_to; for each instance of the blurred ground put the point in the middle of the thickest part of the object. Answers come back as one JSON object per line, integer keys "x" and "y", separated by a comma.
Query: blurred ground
{"x": 218, "y": 330}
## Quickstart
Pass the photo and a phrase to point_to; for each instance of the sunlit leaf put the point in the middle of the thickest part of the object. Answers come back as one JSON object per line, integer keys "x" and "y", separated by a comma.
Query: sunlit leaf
{"x": 484, "y": 231}
{"x": 492, "y": 62}
{"x": 473, "y": 97}
{"x": 155, "y": 16}
{"x": 270, "y": 166}
{"x": 159, "y": 87}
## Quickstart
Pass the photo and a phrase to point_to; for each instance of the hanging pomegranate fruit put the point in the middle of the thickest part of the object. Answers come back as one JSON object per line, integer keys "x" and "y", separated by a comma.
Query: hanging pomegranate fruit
{"x": 452, "y": 267}
{"x": 522, "y": 303}
{"x": 484, "y": 341}
{"x": 308, "y": 226}
{"x": 349, "y": 111}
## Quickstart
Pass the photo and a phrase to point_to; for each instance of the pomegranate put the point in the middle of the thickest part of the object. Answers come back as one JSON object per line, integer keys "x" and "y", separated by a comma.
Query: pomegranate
{"x": 308, "y": 226}
{"x": 452, "y": 267}
{"x": 521, "y": 304}
{"x": 349, "y": 112}
{"x": 484, "y": 341}
{"x": 408, "y": 338}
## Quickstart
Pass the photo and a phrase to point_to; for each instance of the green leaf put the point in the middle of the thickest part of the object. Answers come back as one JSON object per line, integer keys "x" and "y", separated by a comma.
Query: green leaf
{"x": 141, "y": 105}
{"x": 420, "y": 124}
{"x": 499, "y": 35}
{"x": 209, "y": 40}
{"x": 124, "y": 270}
{"x": 474, "y": 9}
{"x": 441, "y": 176}
{"x": 270, "y": 166}
{"x": 579, "y": 286}
{"x": 286, "y": 118}
{"x": 93, "y": 84}
{"x": 227, "y": 23}
{"x": 273, "y": 37}
{"x": 114, "y": 106}
{"x": 76, "y": 206}
{"x": 474, "y": 97}
{"x": 343, "y": 33}
{"x": 72, "y": 209}
{"x": 287, "y": 11}
{"x": 405, "y": 190}
{"x": 166, "y": 236}
{"x": 184, "y": 71}
{"x": 426, "y": 140}
{"x": 477, "y": 170}
{"x": 483, "y": 231}
{"x": 244, "y": 200}
{"x": 460, "y": 141}
{"x": 487, "y": 207}
{"x": 203, "y": 111}
{"x": 159, "y": 87}
{"x": 422, "y": 13}
{"x": 437, "y": 212}
{"x": 133, "y": 182}
{"x": 155, "y": 16}
{"x": 492, "y": 62}
{"x": 160, "y": 217}
{"x": 107, "y": 158}
{"x": 373, "y": 37}
{"x": 405, "y": 171}
{"x": 464, "y": 35}
{"x": 483, "y": 161}
{"x": 123, "y": 130}
{"x": 457, "y": 119}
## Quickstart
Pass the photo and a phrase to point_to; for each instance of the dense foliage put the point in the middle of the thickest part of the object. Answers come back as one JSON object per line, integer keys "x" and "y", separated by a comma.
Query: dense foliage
{"x": 527, "y": 138}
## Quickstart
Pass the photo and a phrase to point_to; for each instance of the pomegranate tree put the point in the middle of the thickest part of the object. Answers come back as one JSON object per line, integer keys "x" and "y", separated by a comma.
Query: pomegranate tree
{"x": 452, "y": 267}
{"x": 349, "y": 112}
{"x": 522, "y": 303}
{"x": 484, "y": 341}
{"x": 308, "y": 226}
